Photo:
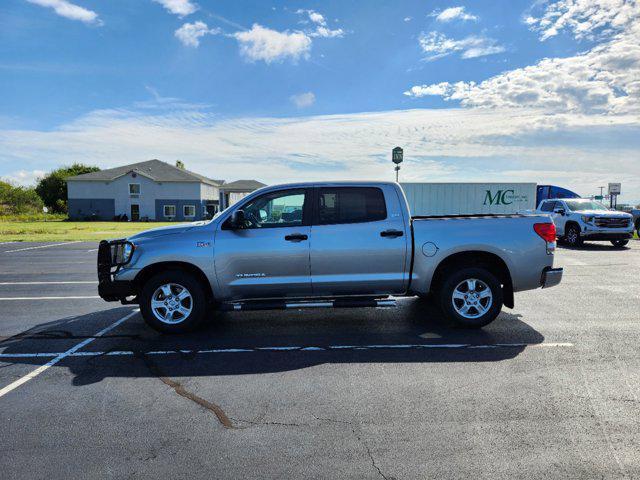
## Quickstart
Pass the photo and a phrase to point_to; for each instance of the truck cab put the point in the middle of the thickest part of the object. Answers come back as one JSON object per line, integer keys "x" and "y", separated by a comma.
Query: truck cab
{"x": 580, "y": 219}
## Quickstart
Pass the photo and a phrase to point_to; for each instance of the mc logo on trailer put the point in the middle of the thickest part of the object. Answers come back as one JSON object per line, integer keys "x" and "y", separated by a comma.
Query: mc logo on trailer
{"x": 500, "y": 197}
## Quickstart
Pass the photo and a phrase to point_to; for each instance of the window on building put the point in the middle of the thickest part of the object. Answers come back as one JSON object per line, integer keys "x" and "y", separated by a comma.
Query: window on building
{"x": 169, "y": 211}
{"x": 134, "y": 189}
{"x": 351, "y": 205}
{"x": 189, "y": 211}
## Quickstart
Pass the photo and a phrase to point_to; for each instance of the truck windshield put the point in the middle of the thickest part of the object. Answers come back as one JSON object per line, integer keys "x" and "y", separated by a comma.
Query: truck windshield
{"x": 581, "y": 205}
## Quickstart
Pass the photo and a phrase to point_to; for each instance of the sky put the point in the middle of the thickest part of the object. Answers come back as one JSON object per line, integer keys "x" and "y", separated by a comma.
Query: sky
{"x": 482, "y": 91}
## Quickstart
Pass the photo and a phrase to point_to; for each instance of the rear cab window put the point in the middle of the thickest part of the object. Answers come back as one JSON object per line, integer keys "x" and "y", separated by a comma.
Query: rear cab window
{"x": 337, "y": 205}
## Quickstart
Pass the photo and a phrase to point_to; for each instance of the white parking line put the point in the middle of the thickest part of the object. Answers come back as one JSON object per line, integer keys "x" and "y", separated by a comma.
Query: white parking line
{"x": 61, "y": 356}
{"x": 41, "y": 246}
{"x": 82, "y": 297}
{"x": 52, "y": 283}
{"x": 458, "y": 346}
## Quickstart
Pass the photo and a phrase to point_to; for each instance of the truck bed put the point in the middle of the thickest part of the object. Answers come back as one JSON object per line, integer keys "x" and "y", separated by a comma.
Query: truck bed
{"x": 511, "y": 237}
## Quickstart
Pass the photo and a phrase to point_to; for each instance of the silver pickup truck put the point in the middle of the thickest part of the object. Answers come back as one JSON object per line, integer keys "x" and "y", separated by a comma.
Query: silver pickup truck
{"x": 328, "y": 245}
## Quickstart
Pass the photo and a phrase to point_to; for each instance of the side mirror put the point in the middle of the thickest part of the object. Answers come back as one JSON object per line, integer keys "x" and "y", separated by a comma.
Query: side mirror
{"x": 237, "y": 220}
{"x": 560, "y": 211}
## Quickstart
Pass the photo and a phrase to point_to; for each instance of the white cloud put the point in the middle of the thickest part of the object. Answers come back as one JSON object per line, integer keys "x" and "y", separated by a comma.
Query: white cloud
{"x": 438, "y": 45}
{"x": 178, "y": 7}
{"x": 316, "y": 17}
{"x": 303, "y": 100}
{"x": 321, "y": 29}
{"x": 605, "y": 79}
{"x": 190, "y": 33}
{"x": 452, "y": 13}
{"x": 588, "y": 19}
{"x": 438, "y": 89}
{"x": 407, "y": 19}
{"x": 23, "y": 177}
{"x": 262, "y": 43}
{"x": 460, "y": 144}
{"x": 325, "y": 32}
{"x": 69, "y": 10}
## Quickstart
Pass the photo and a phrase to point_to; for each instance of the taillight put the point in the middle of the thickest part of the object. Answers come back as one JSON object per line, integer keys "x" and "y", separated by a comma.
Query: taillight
{"x": 547, "y": 231}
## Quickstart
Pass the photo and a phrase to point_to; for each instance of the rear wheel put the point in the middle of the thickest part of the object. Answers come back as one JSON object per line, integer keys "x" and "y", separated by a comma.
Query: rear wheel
{"x": 619, "y": 243}
{"x": 173, "y": 302}
{"x": 572, "y": 236}
{"x": 471, "y": 297}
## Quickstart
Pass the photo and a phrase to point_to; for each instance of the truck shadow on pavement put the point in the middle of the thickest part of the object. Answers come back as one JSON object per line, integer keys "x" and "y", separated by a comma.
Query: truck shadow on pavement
{"x": 275, "y": 341}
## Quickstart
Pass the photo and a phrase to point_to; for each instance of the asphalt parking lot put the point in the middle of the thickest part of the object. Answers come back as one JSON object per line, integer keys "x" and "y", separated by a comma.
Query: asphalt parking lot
{"x": 549, "y": 390}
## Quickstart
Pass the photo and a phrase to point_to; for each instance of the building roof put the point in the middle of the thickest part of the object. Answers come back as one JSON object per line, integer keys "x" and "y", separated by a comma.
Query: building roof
{"x": 154, "y": 169}
{"x": 244, "y": 185}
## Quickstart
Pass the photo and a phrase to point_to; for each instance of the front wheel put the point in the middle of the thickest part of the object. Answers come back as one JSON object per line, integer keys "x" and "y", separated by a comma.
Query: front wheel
{"x": 173, "y": 302}
{"x": 619, "y": 243}
{"x": 572, "y": 236}
{"x": 471, "y": 297}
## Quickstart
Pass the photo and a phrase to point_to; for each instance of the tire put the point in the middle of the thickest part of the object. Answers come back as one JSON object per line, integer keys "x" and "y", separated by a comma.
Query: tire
{"x": 479, "y": 314}
{"x": 572, "y": 236}
{"x": 179, "y": 315}
{"x": 619, "y": 243}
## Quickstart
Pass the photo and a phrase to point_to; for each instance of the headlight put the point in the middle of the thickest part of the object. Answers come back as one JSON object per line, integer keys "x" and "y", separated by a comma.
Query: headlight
{"x": 121, "y": 252}
{"x": 587, "y": 219}
{"x": 127, "y": 251}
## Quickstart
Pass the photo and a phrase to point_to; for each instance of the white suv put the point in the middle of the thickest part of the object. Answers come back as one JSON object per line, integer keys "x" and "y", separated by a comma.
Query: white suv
{"x": 579, "y": 219}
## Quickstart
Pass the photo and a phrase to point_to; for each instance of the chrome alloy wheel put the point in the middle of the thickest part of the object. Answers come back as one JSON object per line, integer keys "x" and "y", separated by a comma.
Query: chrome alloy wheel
{"x": 472, "y": 298}
{"x": 572, "y": 236}
{"x": 171, "y": 303}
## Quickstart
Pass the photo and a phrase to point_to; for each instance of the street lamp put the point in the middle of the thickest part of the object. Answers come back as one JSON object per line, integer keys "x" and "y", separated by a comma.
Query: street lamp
{"x": 396, "y": 157}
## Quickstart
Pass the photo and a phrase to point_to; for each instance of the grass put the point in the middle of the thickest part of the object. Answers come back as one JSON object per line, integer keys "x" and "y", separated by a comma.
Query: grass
{"x": 61, "y": 231}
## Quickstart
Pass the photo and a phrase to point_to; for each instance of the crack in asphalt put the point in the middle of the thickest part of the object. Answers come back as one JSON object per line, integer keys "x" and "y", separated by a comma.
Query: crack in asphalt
{"x": 370, "y": 455}
{"x": 222, "y": 417}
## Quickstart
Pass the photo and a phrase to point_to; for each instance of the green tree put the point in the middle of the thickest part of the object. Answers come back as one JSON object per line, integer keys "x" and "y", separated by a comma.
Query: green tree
{"x": 52, "y": 188}
{"x": 15, "y": 200}
{"x": 180, "y": 164}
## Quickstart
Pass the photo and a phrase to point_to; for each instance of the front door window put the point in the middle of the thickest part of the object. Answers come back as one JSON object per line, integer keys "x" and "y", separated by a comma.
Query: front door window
{"x": 274, "y": 210}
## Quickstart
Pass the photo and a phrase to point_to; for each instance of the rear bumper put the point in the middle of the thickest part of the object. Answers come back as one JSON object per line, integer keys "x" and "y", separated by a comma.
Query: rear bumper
{"x": 551, "y": 277}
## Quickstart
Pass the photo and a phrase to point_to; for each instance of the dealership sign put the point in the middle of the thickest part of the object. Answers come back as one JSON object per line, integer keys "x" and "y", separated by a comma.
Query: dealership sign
{"x": 615, "y": 189}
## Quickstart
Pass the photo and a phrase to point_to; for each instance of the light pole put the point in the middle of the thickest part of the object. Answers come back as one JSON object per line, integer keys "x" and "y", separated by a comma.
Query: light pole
{"x": 396, "y": 157}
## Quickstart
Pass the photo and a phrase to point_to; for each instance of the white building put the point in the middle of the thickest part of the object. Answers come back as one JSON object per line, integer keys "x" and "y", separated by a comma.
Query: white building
{"x": 152, "y": 190}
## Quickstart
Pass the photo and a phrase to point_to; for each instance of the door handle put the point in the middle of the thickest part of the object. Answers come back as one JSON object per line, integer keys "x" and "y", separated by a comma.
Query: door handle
{"x": 296, "y": 237}
{"x": 392, "y": 233}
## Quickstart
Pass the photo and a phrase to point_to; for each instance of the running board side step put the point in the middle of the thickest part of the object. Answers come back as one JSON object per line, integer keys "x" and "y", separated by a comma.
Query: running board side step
{"x": 292, "y": 305}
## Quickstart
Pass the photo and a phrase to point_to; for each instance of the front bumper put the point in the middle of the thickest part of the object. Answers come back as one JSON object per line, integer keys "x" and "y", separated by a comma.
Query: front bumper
{"x": 109, "y": 289}
{"x": 551, "y": 277}
{"x": 598, "y": 235}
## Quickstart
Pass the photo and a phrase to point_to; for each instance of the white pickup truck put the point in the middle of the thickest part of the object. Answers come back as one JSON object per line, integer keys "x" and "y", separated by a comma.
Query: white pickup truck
{"x": 579, "y": 219}
{"x": 328, "y": 245}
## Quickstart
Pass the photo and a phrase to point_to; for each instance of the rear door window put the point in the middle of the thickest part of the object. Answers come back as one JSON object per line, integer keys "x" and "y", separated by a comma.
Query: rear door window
{"x": 548, "y": 206}
{"x": 350, "y": 205}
